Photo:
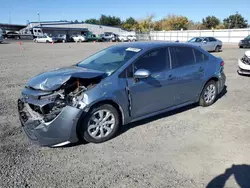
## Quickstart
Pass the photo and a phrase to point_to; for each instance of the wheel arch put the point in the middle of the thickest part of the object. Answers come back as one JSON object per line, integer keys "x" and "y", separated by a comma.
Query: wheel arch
{"x": 112, "y": 103}
{"x": 214, "y": 78}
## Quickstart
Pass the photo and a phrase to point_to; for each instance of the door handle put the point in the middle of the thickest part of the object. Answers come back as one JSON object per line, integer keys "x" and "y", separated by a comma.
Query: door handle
{"x": 201, "y": 69}
{"x": 171, "y": 77}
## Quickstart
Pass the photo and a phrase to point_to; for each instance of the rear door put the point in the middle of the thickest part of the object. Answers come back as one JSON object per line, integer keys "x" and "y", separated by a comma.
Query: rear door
{"x": 187, "y": 74}
{"x": 213, "y": 43}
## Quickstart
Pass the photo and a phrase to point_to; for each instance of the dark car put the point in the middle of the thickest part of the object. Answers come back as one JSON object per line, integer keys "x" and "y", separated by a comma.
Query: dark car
{"x": 12, "y": 34}
{"x": 124, "y": 83}
{"x": 63, "y": 38}
{"x": 245, "y": 42}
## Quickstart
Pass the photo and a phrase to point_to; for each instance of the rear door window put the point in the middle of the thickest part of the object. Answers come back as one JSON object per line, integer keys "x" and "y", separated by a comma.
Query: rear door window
{"x": 211, "y": 39}
{"x": 182, "y": 56}
{"x": 199, "y": 56}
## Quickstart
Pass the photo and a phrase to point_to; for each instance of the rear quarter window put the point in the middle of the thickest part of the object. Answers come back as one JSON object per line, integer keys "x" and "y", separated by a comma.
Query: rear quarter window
{"x": 199, "y": 56}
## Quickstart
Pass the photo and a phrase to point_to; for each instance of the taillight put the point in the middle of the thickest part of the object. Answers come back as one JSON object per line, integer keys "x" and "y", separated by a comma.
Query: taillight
{"x": 222, "y": 64}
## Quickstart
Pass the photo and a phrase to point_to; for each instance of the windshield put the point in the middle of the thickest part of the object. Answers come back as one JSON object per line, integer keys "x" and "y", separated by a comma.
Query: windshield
{"x": 196, "y": 39}
{"x": 109, "y": 59}
{"x": 248, "y": 37}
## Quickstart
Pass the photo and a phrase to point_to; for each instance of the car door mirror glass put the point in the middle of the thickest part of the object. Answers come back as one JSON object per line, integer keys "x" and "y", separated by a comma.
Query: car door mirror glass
{"x": 204, "y": 41}
{"x": 142, "y": 73}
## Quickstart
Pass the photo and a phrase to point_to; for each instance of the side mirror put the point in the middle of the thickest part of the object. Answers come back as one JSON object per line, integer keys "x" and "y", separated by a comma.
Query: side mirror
{"x": 204, "y": 41}
{"x": 142, "y": 73}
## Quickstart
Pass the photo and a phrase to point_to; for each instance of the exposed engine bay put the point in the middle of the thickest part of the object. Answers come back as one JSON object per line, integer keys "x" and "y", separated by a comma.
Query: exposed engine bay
{"x": 45, "y": 105}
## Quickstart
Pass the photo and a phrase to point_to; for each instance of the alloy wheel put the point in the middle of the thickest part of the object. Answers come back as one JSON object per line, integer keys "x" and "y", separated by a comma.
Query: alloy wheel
{"x": 210, "y": 93}
{"x": 101, "y": 124}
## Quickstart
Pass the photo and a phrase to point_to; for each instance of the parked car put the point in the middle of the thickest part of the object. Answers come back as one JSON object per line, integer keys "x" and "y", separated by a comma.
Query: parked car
{"x": 244, "y": 64}
{"x": 62, "y": 38}
{"x": 132, "y": 38}
{"x": 115, "y": 38}
{"x": 122, "y": 38}
{"x": 80, "y": 38}
{"x": 107, "y": 36}
{"x": 45, "y": 39}
{"x": 207, "y": 43}
{"x": 93, "y": 37}
{"x": 118, "y": 85}
{"x": 1, "y": 35}
{"x": 12, "y": 35}
{"x": 245, "y": 42}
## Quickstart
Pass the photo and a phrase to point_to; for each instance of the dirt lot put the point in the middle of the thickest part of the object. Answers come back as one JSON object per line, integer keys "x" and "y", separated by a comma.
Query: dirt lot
{"x": 185, "y": 148}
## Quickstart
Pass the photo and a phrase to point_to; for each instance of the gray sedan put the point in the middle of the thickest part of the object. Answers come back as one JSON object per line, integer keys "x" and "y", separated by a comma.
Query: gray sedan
{"x": 207, "y": 43}
{"x": 118, "y": 85}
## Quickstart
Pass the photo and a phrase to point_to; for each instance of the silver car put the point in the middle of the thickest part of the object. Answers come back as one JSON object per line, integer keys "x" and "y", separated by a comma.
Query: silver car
{"x": 207, "y": 43}
{"x": 118, "y": 85}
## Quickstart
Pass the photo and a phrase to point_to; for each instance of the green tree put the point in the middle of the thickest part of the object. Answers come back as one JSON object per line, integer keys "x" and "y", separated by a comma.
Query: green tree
{"x": 194, "y": 25}
{"x": 210, "y": 22}
{"x": 235, "y": 21}
{"x": 110, "y": 20}
{"x": 174, "y": 22}
{"x": 129, "y": 24}
{"x": 92, "y": 21}
{"x": 76, "y": 21}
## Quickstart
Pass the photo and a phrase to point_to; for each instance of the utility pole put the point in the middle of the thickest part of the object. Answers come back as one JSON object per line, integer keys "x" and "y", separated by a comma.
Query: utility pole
{"x": 236, "y": 21}
{"x": 9, "y": 17}
{"x": 38, "y": 14}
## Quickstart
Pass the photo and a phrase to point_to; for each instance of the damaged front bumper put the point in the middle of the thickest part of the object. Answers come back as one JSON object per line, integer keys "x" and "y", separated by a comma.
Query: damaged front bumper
{"x": 243, "y": 68}
{"x": 60, "y": 131}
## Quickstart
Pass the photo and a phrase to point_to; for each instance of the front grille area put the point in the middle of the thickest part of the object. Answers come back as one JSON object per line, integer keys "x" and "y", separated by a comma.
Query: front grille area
{"x": 245, "y": 60}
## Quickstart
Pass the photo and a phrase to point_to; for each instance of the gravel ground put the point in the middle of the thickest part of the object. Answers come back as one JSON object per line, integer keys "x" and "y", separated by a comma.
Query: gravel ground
{"x": 184, "y": 148}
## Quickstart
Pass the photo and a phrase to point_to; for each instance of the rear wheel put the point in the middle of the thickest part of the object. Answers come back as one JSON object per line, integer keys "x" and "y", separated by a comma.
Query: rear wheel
{"x": 209, "y": 94}
{"x": 47, "y": 41}
{"x": 100, "y": 124}
{"x": 217, "y": 49}
{"x": 240, "y": 46}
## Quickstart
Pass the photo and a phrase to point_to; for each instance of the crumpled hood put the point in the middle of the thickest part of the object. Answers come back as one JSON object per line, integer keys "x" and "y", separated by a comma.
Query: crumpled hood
{"x": 54, "y": 79}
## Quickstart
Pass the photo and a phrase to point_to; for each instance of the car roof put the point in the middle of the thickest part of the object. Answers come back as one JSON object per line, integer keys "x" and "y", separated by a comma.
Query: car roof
{"x": 153, "y": 44}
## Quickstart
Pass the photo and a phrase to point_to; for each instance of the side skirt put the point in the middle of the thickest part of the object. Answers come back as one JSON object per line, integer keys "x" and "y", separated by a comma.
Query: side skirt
{"x": 163, "y": 111}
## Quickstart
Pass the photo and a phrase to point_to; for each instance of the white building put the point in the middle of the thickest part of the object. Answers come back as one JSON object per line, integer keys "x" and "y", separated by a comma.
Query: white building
{"x": 65, "y": 27}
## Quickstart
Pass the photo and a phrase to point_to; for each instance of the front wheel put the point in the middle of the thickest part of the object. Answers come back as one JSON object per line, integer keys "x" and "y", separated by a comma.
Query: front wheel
{"x": 101, "y": 124}
{"x": 209, "y": 94}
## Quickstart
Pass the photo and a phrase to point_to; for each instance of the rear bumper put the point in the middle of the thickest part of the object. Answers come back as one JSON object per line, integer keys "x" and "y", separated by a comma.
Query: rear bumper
{"x": 60, "y": 131}
{"x": 222, "y": 81}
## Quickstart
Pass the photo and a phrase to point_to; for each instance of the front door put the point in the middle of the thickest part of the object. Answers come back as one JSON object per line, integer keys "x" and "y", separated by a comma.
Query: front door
{"x": 206, "y": 45}
{"x": 154, "y": 93}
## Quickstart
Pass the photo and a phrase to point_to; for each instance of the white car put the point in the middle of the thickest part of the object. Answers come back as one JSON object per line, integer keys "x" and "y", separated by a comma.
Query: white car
{"x": 123, "y": 38}
{"x": 45, "y": 39}
{"x": 244, "y": 64}
{"x": 207, "y": 43}
{"x": 132, "y": 38}
{"x": 1, "y": 35}
{"x": 80, "y": 38}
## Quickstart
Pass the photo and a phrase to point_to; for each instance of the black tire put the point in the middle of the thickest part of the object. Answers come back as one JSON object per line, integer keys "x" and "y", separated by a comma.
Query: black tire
{"x": 47, "y": 41}
{"x": 217, "y": 49}
{"x": 84, "y": 124}
{"x": 240, "y": 46}
{"x": 202, "y": 101}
